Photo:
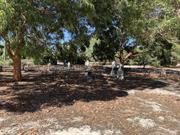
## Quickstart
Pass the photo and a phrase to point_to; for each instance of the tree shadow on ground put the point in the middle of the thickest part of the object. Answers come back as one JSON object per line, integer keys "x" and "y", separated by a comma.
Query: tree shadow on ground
{"x": 38, "y": 91}
{"x": 4, "y": 79}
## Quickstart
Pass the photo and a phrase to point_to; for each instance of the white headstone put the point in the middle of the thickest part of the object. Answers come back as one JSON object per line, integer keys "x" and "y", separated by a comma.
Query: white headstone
{"x": 69, "y": 65}
{"x": 87, "y": 64}
{"x": 120, "y": 72}
{"x": 163, "y": 72}
{"x": 113, "y": 66}
{"x": 49, "y": 65}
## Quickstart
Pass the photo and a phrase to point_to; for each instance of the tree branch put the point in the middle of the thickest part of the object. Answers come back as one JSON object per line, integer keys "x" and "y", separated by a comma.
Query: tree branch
{"x": 129, "y": 55}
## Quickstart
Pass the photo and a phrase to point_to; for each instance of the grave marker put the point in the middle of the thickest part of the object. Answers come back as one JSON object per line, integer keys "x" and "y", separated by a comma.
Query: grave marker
{"x": 120, "y": 72}
{"x": 69, "y": 65}
{"x": 113, "y": 67}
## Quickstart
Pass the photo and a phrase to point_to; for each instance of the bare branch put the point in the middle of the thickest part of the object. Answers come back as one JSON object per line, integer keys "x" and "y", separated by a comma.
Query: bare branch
{"x": 129, "y": 55}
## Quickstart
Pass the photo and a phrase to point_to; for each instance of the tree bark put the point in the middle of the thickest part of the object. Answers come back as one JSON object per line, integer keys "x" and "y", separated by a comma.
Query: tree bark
{"x": 16, "y": 58}
{"x": 17, "y": 68}
{"x": 15, "y": 55}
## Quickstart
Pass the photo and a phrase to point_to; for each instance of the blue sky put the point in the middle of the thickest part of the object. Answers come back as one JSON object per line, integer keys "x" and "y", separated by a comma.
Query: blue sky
{"x": 67, "y": 36}
{"x": 1, "y": 41}
{"x": 131, "y": 41}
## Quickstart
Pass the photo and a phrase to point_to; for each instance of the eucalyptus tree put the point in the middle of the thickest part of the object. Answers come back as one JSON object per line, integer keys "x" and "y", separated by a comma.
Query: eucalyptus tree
{"x": 118, "y": 23}
{"x": 30, "y": 26}
{"x": 20, "y": 24}
{"x": 164, "y": 36}
{"x": 122, "y": 21}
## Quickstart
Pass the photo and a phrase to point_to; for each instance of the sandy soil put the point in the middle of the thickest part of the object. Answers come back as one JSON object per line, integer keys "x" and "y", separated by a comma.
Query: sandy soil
{"x": 69, "y": 104}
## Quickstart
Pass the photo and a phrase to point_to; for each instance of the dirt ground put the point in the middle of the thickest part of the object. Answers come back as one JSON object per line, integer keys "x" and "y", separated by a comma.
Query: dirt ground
{"x": 70, "y": 104}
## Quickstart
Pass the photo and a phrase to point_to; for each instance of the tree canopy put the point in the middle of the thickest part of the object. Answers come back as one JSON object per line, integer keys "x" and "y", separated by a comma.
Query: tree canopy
{"x": 127, "y": 25}
{"x": 122, "y": 29}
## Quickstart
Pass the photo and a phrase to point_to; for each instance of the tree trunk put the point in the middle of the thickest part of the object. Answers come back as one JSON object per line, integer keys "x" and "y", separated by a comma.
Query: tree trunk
{"x": 15, "y": 55}
{"x": 17, "y": 69}
{"x": 144, "y": 65}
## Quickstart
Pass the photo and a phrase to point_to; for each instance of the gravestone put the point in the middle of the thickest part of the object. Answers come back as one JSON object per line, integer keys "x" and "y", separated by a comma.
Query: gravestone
{"x": 49, "y": 66}
{"x": 26, "y": 68}
{"x": 120, "y": 72}
{"x": 69, "y": 65}
{"x": 88, "y": 71}
{"x": 87, "y": 65}
{"x": 113, "y": 68}
{"x": 163, "y": 72}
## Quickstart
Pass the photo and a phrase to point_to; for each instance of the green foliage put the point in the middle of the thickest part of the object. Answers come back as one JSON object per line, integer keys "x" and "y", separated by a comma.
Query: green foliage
{"x": 6, "y": 13}
{"x": 139, "y": 20}
{"x": 176, "y": 54}
{"x": 1, "y": 61}
{"x": 30, "y": 27}
{"x": 33, "y": 27}
{"x": 161, "y": 49}
{"x": 90, "y": 49}
{"x": 43, "y": 58}
{"x": 1, "y": 50}
{"x": 160, "y": 53}
{"x": 71, "y": 53}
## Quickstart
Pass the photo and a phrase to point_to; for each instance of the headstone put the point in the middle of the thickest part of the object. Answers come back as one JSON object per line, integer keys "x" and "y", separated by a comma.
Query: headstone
{"x": 87, "y": 65}
{"x": 23, "y": 67}
{"x": 163, "y": 72}
{"x": 113, "y": 67}
{"x": 120, "y": 72}
{"x": 26, "y": 68}
{"x": 88, "y": 72}
{"x": 49, "y": 65}
{"x": 69, "y": 65}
